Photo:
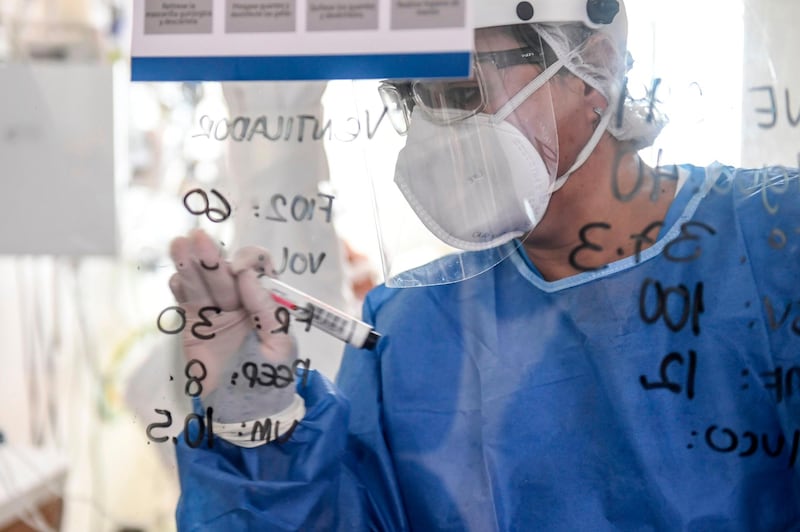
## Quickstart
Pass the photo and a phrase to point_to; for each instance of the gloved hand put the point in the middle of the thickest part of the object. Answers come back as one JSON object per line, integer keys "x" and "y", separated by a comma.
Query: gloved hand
{"x": 232, "y": 329}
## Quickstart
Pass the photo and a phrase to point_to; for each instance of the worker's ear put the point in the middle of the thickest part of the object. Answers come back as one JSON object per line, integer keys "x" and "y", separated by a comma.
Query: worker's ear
{"x": 594, "y": 101}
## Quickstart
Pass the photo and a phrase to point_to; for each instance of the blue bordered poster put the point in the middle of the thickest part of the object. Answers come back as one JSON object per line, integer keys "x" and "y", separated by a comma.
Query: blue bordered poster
{"x": 246, "y": 40}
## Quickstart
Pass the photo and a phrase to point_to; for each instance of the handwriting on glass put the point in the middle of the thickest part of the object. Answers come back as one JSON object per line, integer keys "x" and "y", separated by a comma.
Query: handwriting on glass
{"x": 680, "y": 306}
{"x": 773, "y": 111}
{"x": 252, "y": 374}
{"x": 289, "y": 128}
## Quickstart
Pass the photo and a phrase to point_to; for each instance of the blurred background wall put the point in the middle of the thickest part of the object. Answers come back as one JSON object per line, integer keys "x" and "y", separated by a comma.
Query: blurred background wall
{"x": 94, "y": 171}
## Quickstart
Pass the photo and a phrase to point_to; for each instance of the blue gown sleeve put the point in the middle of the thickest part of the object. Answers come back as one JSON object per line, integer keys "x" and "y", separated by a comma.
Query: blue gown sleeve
{"x": 360, "y": 379}
{"x": 333, "y": 473}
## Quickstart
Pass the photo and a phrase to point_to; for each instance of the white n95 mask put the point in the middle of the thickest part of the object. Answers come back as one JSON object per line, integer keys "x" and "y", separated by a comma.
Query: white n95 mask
{"x": 476, "y": 183}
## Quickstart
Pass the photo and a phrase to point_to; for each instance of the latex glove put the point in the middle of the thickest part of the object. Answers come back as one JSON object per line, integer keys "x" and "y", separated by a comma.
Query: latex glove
{"x": 230, "y": 321}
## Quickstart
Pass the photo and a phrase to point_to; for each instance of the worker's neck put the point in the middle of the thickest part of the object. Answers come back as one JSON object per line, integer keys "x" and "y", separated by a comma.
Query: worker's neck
{"x": 590, "y": 220}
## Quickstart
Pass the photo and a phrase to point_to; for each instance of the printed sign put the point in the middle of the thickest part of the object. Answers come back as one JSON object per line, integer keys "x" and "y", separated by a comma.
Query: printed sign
{"x": 229, "y": 40}
{"x": 338, "y": 15}
{"x": 262, "y": 16}
{"x": 408, "y": 14}
{"x": 177, "y": 17}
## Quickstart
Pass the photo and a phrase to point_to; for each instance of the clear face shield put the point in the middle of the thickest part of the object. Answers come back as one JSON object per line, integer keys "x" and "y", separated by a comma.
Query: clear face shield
{"x": 476, "y": 163}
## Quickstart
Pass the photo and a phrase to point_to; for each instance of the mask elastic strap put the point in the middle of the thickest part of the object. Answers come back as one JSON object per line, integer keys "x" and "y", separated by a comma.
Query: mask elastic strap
{"x": 586, "y": 151}
{"x": 535, "y": 84}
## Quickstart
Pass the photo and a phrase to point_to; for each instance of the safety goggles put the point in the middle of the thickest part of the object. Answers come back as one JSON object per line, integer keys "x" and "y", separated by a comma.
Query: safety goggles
{"x": 448, "y": 101}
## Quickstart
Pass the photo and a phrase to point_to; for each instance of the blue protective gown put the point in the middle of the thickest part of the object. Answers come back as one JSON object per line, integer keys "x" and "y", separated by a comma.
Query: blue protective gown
{"x": 661, "y": 392}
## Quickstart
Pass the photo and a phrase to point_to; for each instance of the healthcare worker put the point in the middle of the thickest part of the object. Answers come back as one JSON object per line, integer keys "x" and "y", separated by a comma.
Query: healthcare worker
{"x": 614, "y": 348}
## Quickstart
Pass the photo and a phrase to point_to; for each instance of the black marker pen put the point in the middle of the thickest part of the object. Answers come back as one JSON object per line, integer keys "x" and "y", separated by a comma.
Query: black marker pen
{"x": 322, "y": 316}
